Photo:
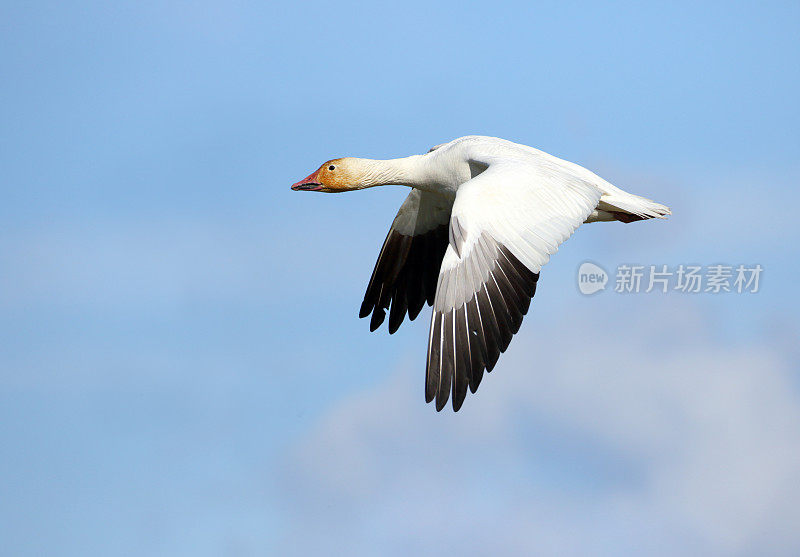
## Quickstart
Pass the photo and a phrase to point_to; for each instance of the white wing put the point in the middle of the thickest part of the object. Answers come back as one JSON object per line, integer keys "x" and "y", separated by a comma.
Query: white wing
{"x": 505, "y": 224}
{"x": 407, "y": 268}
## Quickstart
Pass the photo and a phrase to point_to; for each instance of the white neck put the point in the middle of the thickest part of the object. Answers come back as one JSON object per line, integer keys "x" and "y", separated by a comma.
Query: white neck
{"x": 408, "y": 171}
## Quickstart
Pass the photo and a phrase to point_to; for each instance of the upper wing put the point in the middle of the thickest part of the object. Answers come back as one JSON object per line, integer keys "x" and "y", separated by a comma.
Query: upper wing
{"x": 505, "y": 224}
{"x": 407, "y": 267}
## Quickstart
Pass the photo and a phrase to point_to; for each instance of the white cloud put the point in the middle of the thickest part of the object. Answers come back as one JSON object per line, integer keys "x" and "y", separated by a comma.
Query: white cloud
{"x": 591, "y": 440}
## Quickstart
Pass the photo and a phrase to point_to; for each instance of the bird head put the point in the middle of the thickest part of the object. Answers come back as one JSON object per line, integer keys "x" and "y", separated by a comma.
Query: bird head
{"x": 336, "y": 175}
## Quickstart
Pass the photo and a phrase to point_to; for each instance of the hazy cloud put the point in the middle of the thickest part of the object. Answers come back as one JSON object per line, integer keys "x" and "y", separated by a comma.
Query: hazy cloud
{"x": 582, "y": 442}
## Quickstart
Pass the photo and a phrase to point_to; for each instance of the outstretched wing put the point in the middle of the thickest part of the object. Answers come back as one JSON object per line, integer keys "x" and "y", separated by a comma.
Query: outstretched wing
{"x": 505, "y": 224}
{"x": 408, "y": 265}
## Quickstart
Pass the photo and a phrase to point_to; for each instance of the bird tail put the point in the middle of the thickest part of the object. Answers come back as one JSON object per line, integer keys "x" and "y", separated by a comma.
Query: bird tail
{"x": 627, "y": 207}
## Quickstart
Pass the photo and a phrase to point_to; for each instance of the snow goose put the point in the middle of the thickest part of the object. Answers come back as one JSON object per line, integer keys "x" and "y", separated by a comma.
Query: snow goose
{"x": 483, "y": 216}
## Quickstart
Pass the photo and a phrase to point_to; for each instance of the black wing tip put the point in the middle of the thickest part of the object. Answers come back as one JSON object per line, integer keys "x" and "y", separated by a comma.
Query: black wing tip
{"x": 365, "y": 310}
{"x": 476, "y": 380}
{"x": 377, "y": 318}
{"x": 404, "y": 277}
{"x": 441, "y": 402}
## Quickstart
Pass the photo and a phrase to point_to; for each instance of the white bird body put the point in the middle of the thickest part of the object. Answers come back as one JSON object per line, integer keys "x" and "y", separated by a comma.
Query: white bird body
{"x": 483, "y": 217}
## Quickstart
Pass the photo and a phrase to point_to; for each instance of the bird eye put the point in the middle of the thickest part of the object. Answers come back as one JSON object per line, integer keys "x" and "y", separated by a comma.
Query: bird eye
{"x": 331, "y": 167}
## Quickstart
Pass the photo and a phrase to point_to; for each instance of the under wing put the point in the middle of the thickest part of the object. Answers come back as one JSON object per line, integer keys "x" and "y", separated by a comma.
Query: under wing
{"x": 406, "y": 272}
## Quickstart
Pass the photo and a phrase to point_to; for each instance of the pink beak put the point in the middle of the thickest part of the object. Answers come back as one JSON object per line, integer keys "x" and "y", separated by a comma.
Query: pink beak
{"x": 309, "y": 183}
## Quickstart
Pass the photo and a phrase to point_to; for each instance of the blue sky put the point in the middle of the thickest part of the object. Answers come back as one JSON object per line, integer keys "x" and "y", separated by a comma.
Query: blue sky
{"x": 182, "y": 370}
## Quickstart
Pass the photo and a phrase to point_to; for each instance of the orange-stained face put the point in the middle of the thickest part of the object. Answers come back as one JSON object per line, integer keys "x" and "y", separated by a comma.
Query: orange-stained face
{"x": 333, "y": 176}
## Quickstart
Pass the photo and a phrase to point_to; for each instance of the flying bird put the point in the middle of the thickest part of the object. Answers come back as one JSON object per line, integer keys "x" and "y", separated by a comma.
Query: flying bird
{"x": 483, "y": 216}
